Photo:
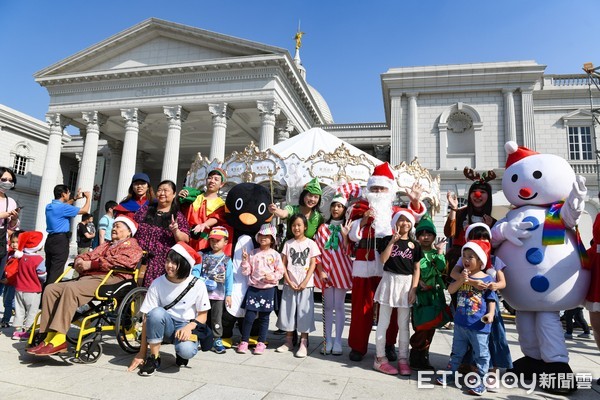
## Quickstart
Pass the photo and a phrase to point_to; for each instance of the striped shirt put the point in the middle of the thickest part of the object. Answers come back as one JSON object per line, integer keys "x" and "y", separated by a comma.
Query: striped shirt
{"x": 336, "y": 263}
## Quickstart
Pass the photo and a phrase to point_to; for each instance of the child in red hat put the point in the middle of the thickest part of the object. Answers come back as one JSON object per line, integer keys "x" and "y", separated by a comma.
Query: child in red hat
{"x": 31, "y": 273}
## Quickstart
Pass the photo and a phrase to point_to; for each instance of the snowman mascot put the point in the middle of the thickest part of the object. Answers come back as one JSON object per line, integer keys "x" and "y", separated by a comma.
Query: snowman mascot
{"x": 539, "y": 242}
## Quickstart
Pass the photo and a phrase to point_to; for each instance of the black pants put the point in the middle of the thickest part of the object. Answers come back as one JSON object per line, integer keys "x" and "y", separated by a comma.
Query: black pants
{"x": 216, "y": 317}
{"x": 577, "y": 314}
{"x": 57, "y": 253}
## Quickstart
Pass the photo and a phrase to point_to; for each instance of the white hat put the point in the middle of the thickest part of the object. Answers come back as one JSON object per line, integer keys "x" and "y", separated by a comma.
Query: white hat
{"x": 267, "y": 229}
{"x": 191, "y": 255}
{"x": 131, "y": 224}
{"x": 339, "y": 198}
{"x": 475, "y": 225}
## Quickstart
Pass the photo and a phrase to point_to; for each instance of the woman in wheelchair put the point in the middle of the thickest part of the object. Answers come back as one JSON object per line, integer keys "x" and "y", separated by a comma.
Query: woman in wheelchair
{"x": 61, "y": 300}
{"x": 175, "y": 303}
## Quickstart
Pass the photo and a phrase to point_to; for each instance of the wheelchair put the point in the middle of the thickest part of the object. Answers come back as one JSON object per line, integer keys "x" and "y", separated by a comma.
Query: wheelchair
{"x": 114, "y": 308}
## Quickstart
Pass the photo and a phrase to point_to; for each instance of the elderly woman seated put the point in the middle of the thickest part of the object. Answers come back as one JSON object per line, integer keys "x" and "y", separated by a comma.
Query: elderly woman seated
{"x": 61, "y": 300}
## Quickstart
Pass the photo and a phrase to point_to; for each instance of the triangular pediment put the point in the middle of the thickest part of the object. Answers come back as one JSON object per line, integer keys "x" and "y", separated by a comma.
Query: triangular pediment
{"x": 156, "y": 42}
{"x": 578, "y": 115}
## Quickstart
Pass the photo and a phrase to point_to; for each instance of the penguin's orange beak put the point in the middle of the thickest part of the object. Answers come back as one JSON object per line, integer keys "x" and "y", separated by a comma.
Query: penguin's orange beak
{"x": 248, "y": 219}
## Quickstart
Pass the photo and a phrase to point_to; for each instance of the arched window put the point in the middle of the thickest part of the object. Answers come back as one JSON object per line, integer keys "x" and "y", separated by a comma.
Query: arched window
{"x": 21, "y": 158}
{"x": 459, "y": 128}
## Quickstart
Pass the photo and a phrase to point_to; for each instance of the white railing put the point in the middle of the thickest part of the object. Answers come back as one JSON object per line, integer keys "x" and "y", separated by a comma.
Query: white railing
{"x": 587, "y": 167}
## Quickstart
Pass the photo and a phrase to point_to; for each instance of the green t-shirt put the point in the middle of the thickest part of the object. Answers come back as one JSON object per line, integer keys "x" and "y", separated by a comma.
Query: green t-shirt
{"x": 315, "y": 219}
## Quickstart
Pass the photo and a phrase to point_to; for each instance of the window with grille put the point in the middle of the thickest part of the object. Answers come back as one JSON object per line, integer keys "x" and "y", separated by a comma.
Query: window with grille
{"x": 20, "y": 165}
{"x": 580, "y": 143}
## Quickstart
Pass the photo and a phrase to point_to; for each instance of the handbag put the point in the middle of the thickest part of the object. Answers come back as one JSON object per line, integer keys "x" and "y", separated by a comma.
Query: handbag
{"x": 10, "y": 271}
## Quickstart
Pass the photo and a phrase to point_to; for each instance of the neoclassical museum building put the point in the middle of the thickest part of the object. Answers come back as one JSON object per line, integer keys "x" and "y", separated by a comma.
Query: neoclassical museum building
{"x": 153, "y": 96}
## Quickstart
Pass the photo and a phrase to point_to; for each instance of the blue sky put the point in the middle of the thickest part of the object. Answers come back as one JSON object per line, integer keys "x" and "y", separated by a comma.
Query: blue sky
{"x": 346, "y": 47}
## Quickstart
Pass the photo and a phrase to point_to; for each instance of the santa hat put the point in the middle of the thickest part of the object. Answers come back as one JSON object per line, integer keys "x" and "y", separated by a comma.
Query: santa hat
{"x": 516, "y": 153}
{"x": 267, "y": 229}
{"x": 131, "y": 224}
{"x": 339, "y": 198}
{"x": 481, "y": 248}
{"x": 185, "y": 251}
{"x": 383, "y": 176}
{"x": 475, "y": 225}
{"x": 407, "y": 213}
{"x": 29, "y": 242}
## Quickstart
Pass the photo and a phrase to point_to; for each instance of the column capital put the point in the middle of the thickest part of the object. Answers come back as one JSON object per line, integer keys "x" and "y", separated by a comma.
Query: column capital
{"x": 268, "y": 107}
{"x": 176, "y": 113}
{"x": 57, "y": 120}
{"x": 133, "y": 115}
{"x": 222, "y": 110}
{"x": 284, "y": 128}
{"x": 506, "y": 91}
{"x": 94, "y": 118}
{"x": 411, "y": 95}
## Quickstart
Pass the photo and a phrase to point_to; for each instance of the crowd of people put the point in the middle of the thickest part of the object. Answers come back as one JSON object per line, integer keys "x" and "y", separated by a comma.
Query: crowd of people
{"x": 389, "y": 256}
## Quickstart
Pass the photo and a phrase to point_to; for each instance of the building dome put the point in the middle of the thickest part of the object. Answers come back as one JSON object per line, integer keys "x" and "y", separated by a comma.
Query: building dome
{"x": 321, "y": 104}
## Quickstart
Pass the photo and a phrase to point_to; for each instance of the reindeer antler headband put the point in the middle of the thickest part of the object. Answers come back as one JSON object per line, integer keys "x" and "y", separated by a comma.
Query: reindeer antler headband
{"x": 476, "y": 177}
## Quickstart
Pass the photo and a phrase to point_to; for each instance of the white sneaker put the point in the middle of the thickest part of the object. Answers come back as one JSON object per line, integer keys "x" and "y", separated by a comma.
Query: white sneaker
{"x": 302, "y": 350}
{"x": 287, "y": 346}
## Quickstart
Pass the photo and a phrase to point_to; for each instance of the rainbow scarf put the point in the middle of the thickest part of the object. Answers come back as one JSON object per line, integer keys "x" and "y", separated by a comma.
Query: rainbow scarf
{"x": 554, "y": 232}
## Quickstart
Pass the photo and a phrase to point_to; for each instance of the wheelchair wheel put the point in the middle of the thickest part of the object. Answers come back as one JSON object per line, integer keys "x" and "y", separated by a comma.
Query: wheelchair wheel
{"x": 90, "y": 351}
{"x": 128, "y": 327}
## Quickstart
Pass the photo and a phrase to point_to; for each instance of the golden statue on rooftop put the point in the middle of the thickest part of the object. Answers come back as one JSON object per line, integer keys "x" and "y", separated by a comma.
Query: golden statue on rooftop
{"x": 298, "y": 39}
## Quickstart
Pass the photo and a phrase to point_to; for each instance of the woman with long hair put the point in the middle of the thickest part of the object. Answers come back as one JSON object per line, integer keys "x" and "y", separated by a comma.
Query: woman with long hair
{"x": 9, "y": 221}
{"x": 140, "y": 193}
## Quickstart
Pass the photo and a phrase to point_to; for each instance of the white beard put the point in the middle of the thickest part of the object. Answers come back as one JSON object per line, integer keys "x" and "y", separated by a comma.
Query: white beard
{"x": 381, "y": 203}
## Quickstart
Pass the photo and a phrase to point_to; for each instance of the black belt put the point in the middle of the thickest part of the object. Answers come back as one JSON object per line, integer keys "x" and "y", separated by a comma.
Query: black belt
{"x": 58, "y": 233}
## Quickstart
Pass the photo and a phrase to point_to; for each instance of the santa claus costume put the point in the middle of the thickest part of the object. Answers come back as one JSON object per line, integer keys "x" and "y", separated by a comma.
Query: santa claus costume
{"x": 371, "y": 222}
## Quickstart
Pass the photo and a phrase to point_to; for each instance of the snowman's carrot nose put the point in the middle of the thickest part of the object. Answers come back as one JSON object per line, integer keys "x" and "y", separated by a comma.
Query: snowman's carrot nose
{"x": 525, "y": 192}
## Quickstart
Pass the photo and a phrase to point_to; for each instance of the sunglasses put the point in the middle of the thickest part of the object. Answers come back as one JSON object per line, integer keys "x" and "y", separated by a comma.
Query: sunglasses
{"x": 6, "y": 180}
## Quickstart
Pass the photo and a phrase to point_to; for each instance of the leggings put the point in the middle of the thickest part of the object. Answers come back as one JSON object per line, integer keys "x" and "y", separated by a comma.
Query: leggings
{"x": 334, "y": 302}
{"x": 385, "y": 314}
{"x": 263, "y": 325}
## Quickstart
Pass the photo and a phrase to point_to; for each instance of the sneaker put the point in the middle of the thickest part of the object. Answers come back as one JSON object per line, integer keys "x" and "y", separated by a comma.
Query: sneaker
{"x": 445, "y": 380}
{"x": 150, "y": 366}
{"x": 390, "y": 352}
{"x": 568, "y": 336}
{"x": 180, "y": 361}
{"x": 584, "y": 335}
{"x": 491, "y": 383}
{"x": 382, "y": 365}
{"x": 478, "y": 390}
{"x": 24, "y": 335}
{"x": 404, "y": 368}
{"x": 4, "y": 325}
{"x": 259, "y": 349}
{"x": 242, "y": 348}
{"x": 302, "y": 350}
{"x": 218, "y": 346}
{"x": 279, "y": 332}
{"x": 287, "y": 346}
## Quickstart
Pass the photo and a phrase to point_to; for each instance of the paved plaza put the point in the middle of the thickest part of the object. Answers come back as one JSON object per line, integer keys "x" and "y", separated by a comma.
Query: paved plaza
{"x": 234, "y": 376}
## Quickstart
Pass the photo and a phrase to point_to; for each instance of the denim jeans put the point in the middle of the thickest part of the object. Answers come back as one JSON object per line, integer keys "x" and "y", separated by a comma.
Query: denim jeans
{"x": 463, "y": 337}
{"x": 161, "y": 327}
{"x": 9, "y": 303}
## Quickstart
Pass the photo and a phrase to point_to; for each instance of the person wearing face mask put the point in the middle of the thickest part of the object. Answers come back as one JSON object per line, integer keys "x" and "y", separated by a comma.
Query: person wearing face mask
{"x": 9, "y": 221}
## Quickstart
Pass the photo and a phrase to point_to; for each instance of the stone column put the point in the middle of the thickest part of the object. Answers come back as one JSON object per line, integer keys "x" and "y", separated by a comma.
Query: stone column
{"x": 412, "y": 140}
{"x": 268, "y": 110}
{"x": 284, "y": 129}
{"x": 510, "y": 126}
{"x": 396, "y": 130}
{"x": 56, "y": 124}
{"x": 220, "y": 114}
{"x": 133, "y": 118}
{"x": 528, "y": 120}
{"x": 175, "y": 116}
{"x": 87, "y": 172}
{"x": 111, "y": 178}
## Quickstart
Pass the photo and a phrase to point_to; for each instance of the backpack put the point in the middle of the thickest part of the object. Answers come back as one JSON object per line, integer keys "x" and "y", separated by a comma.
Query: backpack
{"x": 10, "y": 270}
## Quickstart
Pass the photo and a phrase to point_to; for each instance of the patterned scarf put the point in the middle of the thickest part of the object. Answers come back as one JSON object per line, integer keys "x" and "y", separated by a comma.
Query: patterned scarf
{"x": 554, "y": 232}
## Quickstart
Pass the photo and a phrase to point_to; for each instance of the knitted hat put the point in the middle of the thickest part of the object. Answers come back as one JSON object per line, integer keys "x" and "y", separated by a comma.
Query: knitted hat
{"x": 383, "y": 176}
{"x": 190, "y": 255}
{"x": 339, "y": 198}
{"x": 218, "y": 232}
{"x": 314, "y": 187}
{"x": 516, "y": 153}
{"x": 481, "y": 248}
{"x": 140, "y": 176}
{"x": 475, "y": 225}
{"x": 425, "y": 225}
{"x": 407, "y": 213}
{"x": 131, "y": 224}
{"x": 29, "y": 242}
{"x": 267, "y": 229}
{"x": 220, "y": 172}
